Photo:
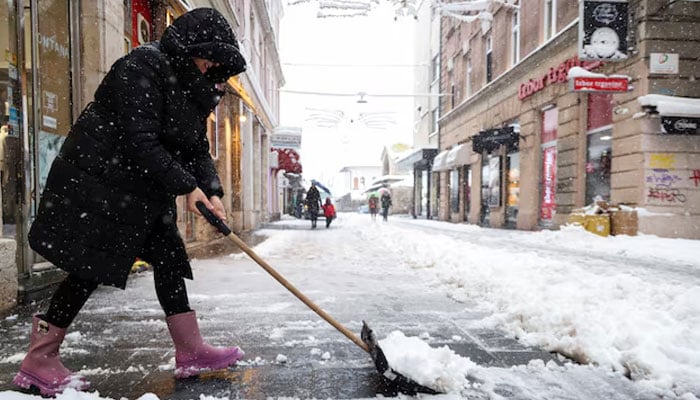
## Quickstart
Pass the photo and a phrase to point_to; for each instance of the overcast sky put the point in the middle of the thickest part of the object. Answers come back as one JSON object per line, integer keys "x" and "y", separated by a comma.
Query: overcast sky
{"x": 370, "y": 54}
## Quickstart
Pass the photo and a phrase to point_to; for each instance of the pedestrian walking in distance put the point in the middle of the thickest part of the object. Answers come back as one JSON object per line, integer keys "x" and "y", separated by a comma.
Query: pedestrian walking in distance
{"x": 386, "y": 203}
{"x": 373, "y": 204}
{"x": 328, "y": 211}
{"x": 313, "y": 204}
{"x": 110, "y": 193}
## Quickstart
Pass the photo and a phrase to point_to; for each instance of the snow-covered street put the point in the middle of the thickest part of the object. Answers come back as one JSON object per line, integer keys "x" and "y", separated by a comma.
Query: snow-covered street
{"x": 621, "y": 312}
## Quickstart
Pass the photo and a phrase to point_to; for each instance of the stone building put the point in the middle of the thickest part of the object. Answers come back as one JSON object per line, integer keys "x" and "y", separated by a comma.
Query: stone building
{"x": 520, "y": 149}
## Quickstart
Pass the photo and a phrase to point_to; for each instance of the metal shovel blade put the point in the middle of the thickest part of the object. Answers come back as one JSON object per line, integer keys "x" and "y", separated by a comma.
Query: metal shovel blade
{"x": 394, "y": 379}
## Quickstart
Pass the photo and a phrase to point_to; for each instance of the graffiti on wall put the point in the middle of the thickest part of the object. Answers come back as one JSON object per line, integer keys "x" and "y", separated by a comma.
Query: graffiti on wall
{"x": 667, "y": 185}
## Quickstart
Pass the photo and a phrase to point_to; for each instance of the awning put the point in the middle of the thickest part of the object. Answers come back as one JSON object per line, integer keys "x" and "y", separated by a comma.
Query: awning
{"x": 457, "y": 156}
{"x": 440, "y": 161}
{"x": 679, "y": 115}
{"x": 288, "y": 160}
{"x": 491, "y": 139}
{"x": 419, "y": 159}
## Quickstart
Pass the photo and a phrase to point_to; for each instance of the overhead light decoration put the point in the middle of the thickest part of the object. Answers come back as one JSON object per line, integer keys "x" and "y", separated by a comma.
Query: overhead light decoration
{"x": 327, "y": 118}
{"x": 357, "y": 8}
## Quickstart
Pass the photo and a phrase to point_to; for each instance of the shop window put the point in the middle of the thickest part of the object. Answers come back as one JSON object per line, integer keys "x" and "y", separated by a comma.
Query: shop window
{"x": 598, "y": 163}
{"x": 454, "y": 191}
{"x": 512, "y": 187}
{"x": 467, "y": 182}
{"x": 490, "y": 185}
{"x": 53, "y": 99}
{"x": 435, "y": 195}
{"x": 550, "y": 122}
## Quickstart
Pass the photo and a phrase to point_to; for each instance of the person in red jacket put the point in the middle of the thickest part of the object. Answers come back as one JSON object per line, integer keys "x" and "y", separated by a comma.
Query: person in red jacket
{"x": 328, "y": 211}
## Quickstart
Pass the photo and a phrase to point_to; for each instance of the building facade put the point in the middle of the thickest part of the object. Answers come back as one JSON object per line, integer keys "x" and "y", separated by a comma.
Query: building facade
{"x": 519, "y": 148}
{"x": 426, "y": 112}
{"x": 57, "y": 53}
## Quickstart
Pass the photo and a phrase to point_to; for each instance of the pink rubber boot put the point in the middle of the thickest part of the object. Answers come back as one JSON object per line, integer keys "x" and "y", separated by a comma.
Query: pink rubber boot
{"x": 42, "y": 367}
{"x": 192, "y": 355}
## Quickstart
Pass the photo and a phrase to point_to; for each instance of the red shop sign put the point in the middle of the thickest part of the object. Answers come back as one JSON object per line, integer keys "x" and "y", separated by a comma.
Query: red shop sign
{"x": 556, "y": 74}
{"x": 599, "y": 84}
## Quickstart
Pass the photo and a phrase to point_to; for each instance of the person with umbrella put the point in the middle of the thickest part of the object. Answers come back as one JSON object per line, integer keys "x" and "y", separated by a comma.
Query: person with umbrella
{"x": 386, "y": 202}
{"x": 373, "y": 203}
{"x": 313, "y": 203}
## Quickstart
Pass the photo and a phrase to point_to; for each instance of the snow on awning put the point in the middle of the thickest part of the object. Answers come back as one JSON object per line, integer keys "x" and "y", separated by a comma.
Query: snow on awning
{"x": 457, "y": 156}
{"x": 679, "y": 115}
{"x": 440, "y": 161}
{"x": 671, "y": 105}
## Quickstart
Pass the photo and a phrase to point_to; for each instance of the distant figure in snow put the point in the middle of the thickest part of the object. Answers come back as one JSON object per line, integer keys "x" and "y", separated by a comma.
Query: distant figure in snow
{"x": 110, "y": 194}
{"x": 329, "y": 211}
{"x": 313, "y": 204}
{"x": 386, "y": 203}
{"x": 373, "y": 203}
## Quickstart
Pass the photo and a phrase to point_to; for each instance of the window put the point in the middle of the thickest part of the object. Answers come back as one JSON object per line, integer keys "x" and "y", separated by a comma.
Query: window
{"x": 550, "y": 18}
{"x": 489, "y": 60}
{"x": 598, "y": 162}
{"x": 435, "y": 68}
{"x": 434, "y": 116}
{"x": 453, "y": 91}
{"x": 468, "y": 78}
{"x": 515, "y": 38}
{"x": 454, "y": 190}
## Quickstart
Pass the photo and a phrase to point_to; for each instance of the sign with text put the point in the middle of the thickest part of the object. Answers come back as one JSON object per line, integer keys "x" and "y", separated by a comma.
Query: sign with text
{"x": 680, "y": 125}
{"x": 663, "y": 63}
{"x": 599, "y": 84}
{"x": 603, "y": 30}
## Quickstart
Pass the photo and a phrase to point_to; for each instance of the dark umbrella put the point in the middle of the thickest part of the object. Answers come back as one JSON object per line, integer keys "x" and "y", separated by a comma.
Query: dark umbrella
{"x": 317, "y": 183}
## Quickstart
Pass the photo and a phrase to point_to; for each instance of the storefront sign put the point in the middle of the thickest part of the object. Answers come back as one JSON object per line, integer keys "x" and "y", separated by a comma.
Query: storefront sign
{"x": 603, "y": 30}
{"x": 680, "y": 125}
{"x": 285, "y": 141}
{"x": 663, "y": 63}
{"x": 599, "y": 84}
{"x": 556, "y": 74}
{"x": 489, "y": 140}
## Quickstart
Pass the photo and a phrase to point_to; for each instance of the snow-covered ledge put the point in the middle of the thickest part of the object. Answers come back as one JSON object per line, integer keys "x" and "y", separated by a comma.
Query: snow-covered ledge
{"x": 8, "y": 275}
{"x": 671, "y": 105}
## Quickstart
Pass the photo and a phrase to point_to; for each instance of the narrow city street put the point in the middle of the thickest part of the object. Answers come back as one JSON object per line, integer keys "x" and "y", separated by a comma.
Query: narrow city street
{"x": 504, "y": 300}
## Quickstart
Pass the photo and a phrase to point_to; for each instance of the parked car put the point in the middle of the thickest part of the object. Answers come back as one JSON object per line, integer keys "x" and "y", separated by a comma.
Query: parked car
{"x": 363, "y": 209}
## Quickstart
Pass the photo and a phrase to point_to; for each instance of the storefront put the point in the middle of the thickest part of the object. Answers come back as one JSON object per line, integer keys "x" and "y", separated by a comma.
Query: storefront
{"x": 39, "y": 86}
{"x": 452, "y": 169}
{"x": 421, "y": 163}
{"x": 500, "y": 175}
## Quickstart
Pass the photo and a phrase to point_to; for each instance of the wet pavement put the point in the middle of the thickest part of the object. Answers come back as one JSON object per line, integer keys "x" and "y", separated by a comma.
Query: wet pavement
{"x": 120, "y": 340}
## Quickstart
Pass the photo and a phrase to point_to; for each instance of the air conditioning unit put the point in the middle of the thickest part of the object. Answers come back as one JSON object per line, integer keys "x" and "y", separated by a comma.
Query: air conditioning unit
{"x": 143, "y": 29}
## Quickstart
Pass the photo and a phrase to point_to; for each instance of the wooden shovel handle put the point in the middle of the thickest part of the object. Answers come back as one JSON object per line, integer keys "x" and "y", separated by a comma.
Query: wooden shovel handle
{"x": 214, "y": 220}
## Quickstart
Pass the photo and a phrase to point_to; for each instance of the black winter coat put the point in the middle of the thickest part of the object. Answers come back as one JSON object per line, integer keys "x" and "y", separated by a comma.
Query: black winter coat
{"x": 110, "y": 193}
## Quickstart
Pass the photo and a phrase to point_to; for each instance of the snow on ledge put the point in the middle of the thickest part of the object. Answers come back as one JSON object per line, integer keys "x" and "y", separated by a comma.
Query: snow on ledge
{"x": 672, "y": 105}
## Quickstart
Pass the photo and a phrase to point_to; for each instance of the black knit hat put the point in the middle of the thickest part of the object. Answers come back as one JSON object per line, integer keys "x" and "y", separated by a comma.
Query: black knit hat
{"x": 205, "y": 33}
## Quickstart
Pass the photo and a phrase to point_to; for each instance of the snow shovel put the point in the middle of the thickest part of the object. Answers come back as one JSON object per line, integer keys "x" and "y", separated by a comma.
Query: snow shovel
{"x": 396, "y": 381}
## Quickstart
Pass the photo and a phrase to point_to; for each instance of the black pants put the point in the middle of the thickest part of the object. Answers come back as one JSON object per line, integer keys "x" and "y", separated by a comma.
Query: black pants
{"x": 73, "y": 292}
{"x": 385, "y": 213}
